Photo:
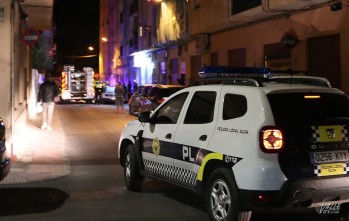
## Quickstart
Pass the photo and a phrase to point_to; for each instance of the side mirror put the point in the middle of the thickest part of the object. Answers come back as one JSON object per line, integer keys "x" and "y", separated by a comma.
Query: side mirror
{"x": 144, "y": 117}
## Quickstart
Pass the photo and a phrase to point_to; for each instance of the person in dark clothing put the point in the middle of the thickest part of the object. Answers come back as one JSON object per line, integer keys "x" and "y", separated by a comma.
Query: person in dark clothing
{"x": 129, "y": 89}
{"x": 119, "y": 98}
{"x": 125, "y": 89}
{"x": 47, "y": 93}
{"x": 135, "y": 86}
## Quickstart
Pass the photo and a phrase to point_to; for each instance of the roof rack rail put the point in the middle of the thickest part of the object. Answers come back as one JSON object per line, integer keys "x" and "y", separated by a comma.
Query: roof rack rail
{"x": 290, "y": 72}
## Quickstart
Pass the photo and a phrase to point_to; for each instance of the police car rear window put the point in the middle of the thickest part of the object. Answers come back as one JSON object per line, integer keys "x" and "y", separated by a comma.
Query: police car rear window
{"x": 309, "y": 109}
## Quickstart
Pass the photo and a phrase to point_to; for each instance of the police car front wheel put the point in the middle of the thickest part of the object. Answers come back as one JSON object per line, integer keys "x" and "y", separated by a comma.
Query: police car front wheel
{"x": 221, "y": 196}
{"x": 132, "y": 175}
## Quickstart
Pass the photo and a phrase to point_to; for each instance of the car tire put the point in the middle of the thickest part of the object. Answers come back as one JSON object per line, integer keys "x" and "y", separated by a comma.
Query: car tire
{"x": 221, "y": 196}
{"x": 132, "y": 176}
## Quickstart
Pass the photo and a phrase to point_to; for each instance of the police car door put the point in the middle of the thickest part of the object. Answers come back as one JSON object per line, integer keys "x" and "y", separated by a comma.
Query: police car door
{"x": 194, "y": 133}
{"x": 158, "y": 136}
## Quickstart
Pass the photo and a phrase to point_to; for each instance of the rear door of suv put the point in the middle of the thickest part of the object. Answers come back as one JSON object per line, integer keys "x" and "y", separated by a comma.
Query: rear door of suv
{"x": 315, "y": 126}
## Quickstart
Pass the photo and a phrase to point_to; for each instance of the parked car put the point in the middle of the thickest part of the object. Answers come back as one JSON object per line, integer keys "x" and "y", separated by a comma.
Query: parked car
{"x": 245, "y": 144}
{"x": 157, "y": 95}
{"x": 134, "y": 101}
{"x": 5, "y": 161}
{"x": 108, "y": 95}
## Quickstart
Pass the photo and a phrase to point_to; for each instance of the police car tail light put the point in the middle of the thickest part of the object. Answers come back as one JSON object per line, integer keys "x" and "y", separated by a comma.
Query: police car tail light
{"x": 271, "y": 140}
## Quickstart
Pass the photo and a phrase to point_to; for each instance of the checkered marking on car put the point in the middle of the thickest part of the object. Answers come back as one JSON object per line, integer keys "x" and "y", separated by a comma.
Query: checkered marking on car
{"x": 179, "y": 174}
{"x": 335, "y": 133}
{"x": 318, "y": 170}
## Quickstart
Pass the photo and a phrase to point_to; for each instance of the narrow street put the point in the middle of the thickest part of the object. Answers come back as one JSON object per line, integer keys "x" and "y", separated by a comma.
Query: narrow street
{"x": 94, "y": 189}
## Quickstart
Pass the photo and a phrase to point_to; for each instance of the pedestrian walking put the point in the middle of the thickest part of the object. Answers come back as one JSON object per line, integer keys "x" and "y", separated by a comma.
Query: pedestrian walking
{"x": 119, "y": 98}
{"x": 47, "y": 93}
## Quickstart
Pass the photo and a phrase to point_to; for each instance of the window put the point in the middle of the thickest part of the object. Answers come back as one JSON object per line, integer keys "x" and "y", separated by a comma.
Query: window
{"x": 243, "y": 5}
{"x": 121, "y": 17}
{"x": 201, "y": 108}
{"x": 169, "y": 112}
{"x": 234, "y": 106}
{"x": 296, "y": 109}
{"x": 121, "y": 51}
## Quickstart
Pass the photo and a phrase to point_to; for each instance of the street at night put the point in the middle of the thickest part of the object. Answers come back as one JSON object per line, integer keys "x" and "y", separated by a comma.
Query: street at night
{"x": 174, "y": 110}
{"x": 94, "y": 189}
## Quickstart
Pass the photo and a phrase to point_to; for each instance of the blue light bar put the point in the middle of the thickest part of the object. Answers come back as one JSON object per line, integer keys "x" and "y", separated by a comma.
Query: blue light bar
{"x": 235, "y": 72}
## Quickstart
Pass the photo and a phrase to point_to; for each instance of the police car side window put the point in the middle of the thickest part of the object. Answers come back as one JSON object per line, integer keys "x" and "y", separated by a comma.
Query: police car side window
{"x": 234, "y": 106}
{"x": 201, "y": 108}
{"x": 170, "y": 111}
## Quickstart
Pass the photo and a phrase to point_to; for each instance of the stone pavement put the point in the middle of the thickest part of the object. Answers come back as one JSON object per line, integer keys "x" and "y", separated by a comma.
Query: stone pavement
{"x": 37, "y": 154}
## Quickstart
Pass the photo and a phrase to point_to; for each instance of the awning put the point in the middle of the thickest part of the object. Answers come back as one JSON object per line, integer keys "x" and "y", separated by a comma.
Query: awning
{"x": 146, "y": 51}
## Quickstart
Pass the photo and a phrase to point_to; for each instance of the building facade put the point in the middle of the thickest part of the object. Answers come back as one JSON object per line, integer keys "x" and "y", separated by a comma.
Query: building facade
{"x": 22, "y": 23}
{"x": 169, "y": 41}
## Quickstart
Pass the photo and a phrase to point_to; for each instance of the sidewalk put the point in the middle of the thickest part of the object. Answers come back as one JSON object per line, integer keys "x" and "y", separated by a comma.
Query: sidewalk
{"x": 37, "y": 154}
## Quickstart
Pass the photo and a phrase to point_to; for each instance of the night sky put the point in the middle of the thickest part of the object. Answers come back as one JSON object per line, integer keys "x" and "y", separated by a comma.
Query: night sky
{"x": 77, "y": 27}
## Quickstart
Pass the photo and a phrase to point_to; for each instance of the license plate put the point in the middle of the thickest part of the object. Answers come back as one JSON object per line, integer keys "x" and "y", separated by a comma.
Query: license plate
{"x": 329, "y": 157}
{"x": 331, "y": 169}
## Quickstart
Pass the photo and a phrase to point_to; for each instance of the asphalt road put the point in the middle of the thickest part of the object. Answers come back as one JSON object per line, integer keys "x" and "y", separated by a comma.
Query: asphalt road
{"x": 94, "y": 191}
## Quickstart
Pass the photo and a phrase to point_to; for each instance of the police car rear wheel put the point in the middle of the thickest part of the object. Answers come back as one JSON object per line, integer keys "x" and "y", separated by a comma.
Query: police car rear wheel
{"x": 132, "y": 176}
{"x": 221, "y": 196}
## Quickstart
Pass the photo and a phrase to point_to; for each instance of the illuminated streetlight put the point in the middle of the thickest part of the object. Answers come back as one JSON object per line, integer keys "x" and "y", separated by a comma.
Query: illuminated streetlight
{"x": 90, "y": 48}
{"x": 104, "y": 39}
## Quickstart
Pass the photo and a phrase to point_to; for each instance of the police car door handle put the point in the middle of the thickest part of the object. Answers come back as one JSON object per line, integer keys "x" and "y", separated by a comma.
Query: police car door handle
{"x": 203, "y": 137}
{"x": 168, "y": 136}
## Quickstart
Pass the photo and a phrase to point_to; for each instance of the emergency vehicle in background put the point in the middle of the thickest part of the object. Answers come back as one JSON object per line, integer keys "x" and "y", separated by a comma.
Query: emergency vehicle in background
{"x": 77, "y": 85}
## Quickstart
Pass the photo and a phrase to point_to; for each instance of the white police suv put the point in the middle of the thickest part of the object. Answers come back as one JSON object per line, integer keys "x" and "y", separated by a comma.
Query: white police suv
{"x": 244, "y": 141}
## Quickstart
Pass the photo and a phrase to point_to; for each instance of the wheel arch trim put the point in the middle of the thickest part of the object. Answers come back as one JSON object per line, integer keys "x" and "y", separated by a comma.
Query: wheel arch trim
{"x": 211, "y": 156}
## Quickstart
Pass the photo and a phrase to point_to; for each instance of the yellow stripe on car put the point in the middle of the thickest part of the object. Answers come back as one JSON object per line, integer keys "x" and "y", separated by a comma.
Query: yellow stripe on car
{"x": 211, "y": 156}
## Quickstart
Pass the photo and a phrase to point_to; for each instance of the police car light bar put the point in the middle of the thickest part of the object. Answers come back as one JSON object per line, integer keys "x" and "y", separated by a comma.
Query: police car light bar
{"x": 235, "y": 72}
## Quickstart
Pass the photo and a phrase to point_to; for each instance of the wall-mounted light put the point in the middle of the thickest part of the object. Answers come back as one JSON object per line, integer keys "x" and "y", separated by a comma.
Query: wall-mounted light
{"x": 336, "y": 6}
{"x": 90, "y": 48}
{"x": 104, "y": 39}
{"x": 23, "y": 16}
{"x": 289, "y": 39}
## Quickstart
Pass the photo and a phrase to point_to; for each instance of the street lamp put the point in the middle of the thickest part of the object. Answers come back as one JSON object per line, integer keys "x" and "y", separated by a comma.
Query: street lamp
{"x": 90, "y": 48}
